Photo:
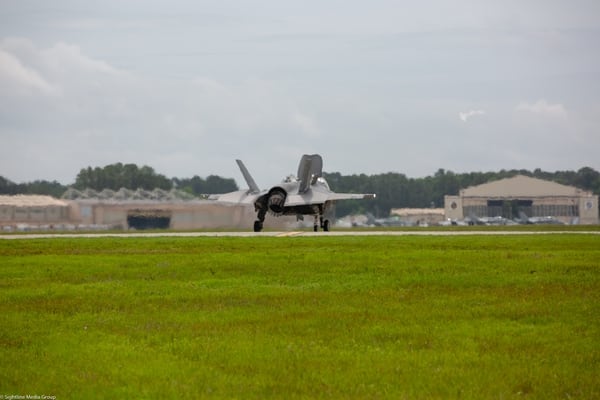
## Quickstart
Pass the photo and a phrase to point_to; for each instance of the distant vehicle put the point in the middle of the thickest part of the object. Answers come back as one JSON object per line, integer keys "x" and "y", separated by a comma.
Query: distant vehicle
{"x": 305, "y": 194}
{"x": 498, "y": 220}
{"x": 389, "y": 221}
{"x": 453, "y": 222}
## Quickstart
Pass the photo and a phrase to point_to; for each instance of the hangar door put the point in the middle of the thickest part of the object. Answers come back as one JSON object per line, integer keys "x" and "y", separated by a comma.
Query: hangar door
{"x": 509, "y": 209}
{"x": 148, "y": 219}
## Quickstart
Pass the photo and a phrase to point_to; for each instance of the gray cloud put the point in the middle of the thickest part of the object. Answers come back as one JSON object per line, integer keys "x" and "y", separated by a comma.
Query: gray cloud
{"x": 542, "y": 107}
{"x": 190, "y": 87}
{"x": 85, "y": 111}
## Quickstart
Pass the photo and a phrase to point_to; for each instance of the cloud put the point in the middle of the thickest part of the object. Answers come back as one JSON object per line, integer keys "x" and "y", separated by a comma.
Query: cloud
{"x": 192, "y": 107}
{"x": 543, "y": 108}
{"x": 55, "y": 71}
{"x": 67, "y": 57}
{"x": 464, "y": 116}
{"x": 100, "y": 114}
{"x": 19, "y": 78}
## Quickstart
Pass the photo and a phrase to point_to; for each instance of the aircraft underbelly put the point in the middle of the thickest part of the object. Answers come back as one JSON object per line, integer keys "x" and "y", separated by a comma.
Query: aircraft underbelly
{"x": 311, "y": 209}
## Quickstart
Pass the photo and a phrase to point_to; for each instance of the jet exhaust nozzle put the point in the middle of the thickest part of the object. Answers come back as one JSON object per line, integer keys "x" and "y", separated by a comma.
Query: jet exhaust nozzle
{"x": 276, "y": 201}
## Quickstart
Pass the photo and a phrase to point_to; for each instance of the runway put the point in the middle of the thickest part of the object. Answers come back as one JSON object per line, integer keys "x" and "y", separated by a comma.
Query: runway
{"x": 284, "y": 234}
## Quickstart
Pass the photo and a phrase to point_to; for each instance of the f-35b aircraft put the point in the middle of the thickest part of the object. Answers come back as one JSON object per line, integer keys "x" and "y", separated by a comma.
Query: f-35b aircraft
{"x": 305, "y": 194}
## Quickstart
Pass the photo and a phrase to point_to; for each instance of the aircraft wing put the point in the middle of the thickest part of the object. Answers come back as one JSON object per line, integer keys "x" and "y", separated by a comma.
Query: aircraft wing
{"x": 239, "y": 197}
{"x": 314, "y": 197}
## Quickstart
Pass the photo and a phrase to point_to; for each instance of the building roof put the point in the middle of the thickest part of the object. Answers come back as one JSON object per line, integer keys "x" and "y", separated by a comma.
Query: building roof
{"x": 522, "y": 186}
{"x": 31, "y": 201}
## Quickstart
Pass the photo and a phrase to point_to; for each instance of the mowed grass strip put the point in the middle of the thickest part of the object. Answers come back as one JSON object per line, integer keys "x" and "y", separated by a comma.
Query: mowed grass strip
{"x": 351, "y": 317}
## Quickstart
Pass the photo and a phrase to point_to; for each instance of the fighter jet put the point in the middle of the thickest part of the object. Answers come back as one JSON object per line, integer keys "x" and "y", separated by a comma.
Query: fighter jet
{"x": 305, "y": 194}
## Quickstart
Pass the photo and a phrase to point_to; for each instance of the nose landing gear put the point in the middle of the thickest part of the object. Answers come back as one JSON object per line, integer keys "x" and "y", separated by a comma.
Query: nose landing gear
{"x": 258, "y": 224}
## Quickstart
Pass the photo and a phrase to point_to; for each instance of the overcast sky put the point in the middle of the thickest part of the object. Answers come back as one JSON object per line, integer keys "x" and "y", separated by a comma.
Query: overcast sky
{"x": 188, "y": 86}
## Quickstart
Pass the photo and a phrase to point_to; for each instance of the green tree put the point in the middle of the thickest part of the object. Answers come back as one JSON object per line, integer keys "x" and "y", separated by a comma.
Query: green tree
{"x": 116, "y": 176}
{"x": 40, "y": 187}
{"x": 7, "y": 186}
{"x": 212, "y": 185}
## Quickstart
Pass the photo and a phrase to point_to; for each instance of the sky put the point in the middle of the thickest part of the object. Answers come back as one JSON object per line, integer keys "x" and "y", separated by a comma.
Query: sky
{"x": 188, "y": 86}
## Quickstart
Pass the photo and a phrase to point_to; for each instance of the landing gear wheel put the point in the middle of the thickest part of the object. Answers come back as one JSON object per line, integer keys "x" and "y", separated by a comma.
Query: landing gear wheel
{"x": 316, "y": 228}
{"x": 258, "y": 225}
{"x": 326, "y": 225}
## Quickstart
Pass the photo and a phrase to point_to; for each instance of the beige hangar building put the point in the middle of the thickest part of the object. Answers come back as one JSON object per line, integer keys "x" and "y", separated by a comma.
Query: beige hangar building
{"x": 512, "y": 197}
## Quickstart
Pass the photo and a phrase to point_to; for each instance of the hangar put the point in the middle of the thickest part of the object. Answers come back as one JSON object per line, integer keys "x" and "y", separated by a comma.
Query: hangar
{"x": 155, "y": 214}
{"x": 520, "y": 195}
{"x": 156, "y": 209}
{"x": 174, "y": 214}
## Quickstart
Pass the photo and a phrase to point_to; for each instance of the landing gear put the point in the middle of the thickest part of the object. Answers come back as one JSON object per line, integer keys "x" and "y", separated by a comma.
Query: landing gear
{"x": 258, "y": 224}
{"x": 320, "y": 222}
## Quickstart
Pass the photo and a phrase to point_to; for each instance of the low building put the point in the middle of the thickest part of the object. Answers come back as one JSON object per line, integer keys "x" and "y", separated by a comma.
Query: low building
{"x": 181, "y": 215}
{"x": 519, "y": 196}
{"x": 33, "y": 210}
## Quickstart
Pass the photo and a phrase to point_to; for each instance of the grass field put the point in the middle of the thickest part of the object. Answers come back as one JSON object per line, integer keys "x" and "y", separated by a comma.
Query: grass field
{"x": 491, "y": 317}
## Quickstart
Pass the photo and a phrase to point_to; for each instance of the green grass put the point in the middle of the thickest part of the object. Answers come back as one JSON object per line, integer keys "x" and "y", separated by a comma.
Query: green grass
{"x": 309, "y": 317}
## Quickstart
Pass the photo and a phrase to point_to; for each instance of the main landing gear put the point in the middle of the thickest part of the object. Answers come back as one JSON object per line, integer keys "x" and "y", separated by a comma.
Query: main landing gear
{"x": 258, "y": 224}
{"x": 320, "y": 222}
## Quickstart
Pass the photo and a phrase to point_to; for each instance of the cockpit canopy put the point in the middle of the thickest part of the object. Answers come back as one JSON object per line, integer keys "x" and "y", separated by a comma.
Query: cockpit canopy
{"x": 315, "y": 180}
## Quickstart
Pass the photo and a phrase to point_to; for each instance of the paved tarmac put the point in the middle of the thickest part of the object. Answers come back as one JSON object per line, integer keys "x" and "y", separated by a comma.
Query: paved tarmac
{"x": 284, "y": 234}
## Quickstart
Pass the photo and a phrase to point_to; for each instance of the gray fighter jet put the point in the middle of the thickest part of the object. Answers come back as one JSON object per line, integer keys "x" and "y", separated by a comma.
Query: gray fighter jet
{"x": 305, "y": 194}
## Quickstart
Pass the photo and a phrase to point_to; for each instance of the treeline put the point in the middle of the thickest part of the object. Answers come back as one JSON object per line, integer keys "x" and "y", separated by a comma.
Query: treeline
{"x": 117, "y": 176}
{"x": 213, "y": 184}
{"x": 54, "y": 188}
{"x": 394, "y": 190}
{"x": 130, "y": 176}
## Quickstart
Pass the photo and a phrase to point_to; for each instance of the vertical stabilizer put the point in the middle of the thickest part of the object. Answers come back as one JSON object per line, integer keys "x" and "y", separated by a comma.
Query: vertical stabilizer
{"x": 310, "y": 166}
{"x": 249, "y": 180}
